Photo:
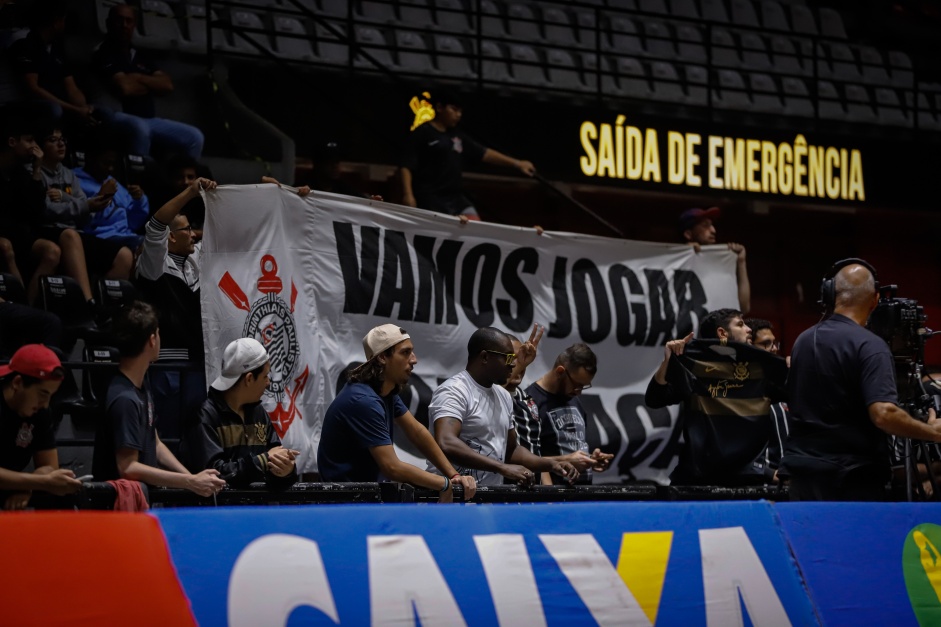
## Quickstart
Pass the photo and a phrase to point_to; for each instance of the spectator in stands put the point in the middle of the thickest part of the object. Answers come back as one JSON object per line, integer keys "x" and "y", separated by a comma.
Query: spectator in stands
{"x": 726, "y": 387}
{"x": 435, "y": 157}
{"x": 27, "y": 430}
{"x": 68, "y": 209}
{"x": 561, "y": 414}
{"x": 697, "y": 229}
{"x": 127, "y": 444}
{"x": 129, "y": 209}
{"x": 356, "y": 441}
{"x": 471, "y": 417}
{"x": 136, "y": 79}
{"x": 168, "y": 276}
{"x": 41, "y": 63}
{"x": 23, "y": 203}
{"x": 525, "y": 412}
{"x": 233, "y": 433}
{"x": 763, "y": 338}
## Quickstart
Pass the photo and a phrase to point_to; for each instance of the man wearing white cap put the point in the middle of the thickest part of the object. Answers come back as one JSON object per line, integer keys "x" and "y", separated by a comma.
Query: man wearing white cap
{"x": 356, "y": 441}
{"x": 233, "y": 433}
{"x": 127, "y": 445}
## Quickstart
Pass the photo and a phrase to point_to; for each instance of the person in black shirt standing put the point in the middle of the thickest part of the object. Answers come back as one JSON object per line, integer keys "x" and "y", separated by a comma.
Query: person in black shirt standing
{"x": 435, "y": 159}
{"x": 843, "y": 398}
{"x": 27, "y": 433}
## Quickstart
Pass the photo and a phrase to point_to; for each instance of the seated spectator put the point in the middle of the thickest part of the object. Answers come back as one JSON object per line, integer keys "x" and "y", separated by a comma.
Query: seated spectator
{"x": 68, "y": 209}
{"x": 233, "y": 433}
{"x": 471, "y": 417}
{"x": 127, "y": 445}
{"x": 726, "y": 388}
{"x": 697, "y": 230}
{"x": 136, "y": 79}
{"x": 561, "y": 414}
{"x": 120, "y": 221}
{"x": 23, "y": 205}
{"x": 27, "y": 433}
{"x": 356, "y": 441}
{"x": 41, "y": 63}
{"x": 763, "y": 338}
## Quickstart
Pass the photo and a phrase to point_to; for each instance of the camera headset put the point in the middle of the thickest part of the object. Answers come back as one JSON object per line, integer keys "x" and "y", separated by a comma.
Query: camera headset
{"x": 828, "y": 284}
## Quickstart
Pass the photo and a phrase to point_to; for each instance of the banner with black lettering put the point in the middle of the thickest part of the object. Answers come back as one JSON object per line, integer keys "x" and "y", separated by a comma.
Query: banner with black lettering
{"x": 310, "y": 276}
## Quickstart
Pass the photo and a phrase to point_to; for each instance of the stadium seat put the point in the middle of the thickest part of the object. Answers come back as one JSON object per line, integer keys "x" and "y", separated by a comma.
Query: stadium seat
{"x": 453, "y": 57}
{"x": 195, "y": 18}
{"x": 654, "y": 6}
{"x": 588, "y": 31}
{"x": 689, "y": 43}
{"x": 785, "y": 58}
{"x": 523, "y": 22}
{"x": 589, "y": 66}
{"x": 62, "y": 296}
{"x": 928, "y": 119}
{"x": 901, "y": 69}
{"x": 331, "y": 8}
{"x": 11, "y": 289}
{"x": 765, "y": 94}
{"x": 563, "y": 72}
{"x": 755, "y": 53}
{"x": 828, "y": 100}
{"x": 684, "y": 8}
{"x": 844, "y": 63}
{"x": 416, "y": 14}
{"x": 243, "y": 41}
{"x": 630, "y": 79}
{"x": 413, "y": 53}
{"x": 666, "y": 83}
{"x": 95, "y": 380}
{"x": 378, "y": 13}
{"x": 623, "y": 5}
{"x": 374, "y": 43}
{"x": 111, "y": 294}
{"x": 624, "y": 38}
{"x": 831, "y": 24}
{"x": 889, "y": 109}
{"x": 557, "y": 24}
{"x": 724, "y": 51}
{"x": 159, "y": 28}
{"x": 493, "y": 65}
{"x": 803, "y": 20}
{"x": 858, "y": 105}
{"x": 873, "y": 67}
{"x": 492, "y": 21}
{"x": 732, "y": 93}
{"x": 331, "y": 48}
{"x": 697, "y": 81}
{"x": 291, "y": 39}
{"x": 659, "y": 41}
{"x": 773, "y": 17}
{"x": 743, "y": 13}
{"x": 796, "y": 98}
{"x": 452, "y": 16}
{"x": 526, "y": 67}
{"x": 714, "y": 11}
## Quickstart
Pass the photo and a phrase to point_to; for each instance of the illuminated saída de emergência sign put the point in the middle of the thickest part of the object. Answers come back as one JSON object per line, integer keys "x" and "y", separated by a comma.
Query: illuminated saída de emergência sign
{"x": 620, "y": 151}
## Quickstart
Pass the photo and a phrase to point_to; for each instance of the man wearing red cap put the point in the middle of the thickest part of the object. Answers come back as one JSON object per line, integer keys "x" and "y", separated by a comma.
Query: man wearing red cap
{"x": 697, "y": 229}
{"x": 356, "y": 441}
{"x": 26, "y": 427}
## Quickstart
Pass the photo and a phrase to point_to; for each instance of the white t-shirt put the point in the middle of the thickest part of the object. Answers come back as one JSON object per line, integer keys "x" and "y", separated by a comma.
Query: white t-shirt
{"x": 487, "y": 414}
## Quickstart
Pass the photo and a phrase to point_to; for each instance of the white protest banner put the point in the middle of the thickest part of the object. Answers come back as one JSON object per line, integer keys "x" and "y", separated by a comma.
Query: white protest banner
{"x": 310, "y": 276}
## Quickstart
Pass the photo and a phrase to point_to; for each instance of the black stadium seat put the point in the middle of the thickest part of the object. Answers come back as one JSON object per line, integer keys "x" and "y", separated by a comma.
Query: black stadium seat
{"x": 63, "y": 296}
{"x": 11, "y": 289}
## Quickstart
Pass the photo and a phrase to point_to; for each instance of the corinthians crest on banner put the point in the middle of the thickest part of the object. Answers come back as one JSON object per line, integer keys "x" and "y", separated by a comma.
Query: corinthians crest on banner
{"x": 270, "y": 320}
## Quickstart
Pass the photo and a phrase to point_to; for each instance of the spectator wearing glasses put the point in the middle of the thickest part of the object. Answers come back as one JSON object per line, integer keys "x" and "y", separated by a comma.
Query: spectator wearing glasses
{"x": 763, "y": 338}
{"x": 561, "y": 414}
{"x": 68, "y": 209}
{"x": 471, "y": 417}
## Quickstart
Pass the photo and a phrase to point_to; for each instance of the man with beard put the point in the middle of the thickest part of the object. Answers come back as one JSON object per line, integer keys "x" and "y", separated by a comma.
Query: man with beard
{"x": 356, "y": 441}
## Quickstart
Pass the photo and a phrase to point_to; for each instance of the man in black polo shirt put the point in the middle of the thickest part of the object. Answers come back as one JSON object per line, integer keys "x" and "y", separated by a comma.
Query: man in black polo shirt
{"x": 843, "y": 399}
{"x": 435, "y": 158}
{"x": 26, "y": 428}
{"x": 136, "y": 79}
{"x": 233, "y": 433}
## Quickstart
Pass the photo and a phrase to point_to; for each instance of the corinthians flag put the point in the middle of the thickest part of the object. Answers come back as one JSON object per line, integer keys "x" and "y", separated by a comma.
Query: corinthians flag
{"x": 308, "y": 277}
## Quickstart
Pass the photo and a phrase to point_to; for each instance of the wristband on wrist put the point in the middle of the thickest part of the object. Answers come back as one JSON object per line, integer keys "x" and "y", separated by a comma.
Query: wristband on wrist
{"x": 455, "y": 476}
{"x": 447, "y": 484}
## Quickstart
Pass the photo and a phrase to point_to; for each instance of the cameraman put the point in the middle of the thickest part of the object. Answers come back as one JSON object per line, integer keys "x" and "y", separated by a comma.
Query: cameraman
{"x": 843, "y": 398}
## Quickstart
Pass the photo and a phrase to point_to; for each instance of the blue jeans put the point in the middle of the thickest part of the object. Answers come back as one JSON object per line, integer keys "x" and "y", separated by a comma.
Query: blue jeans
{"x": 169, "y": 134}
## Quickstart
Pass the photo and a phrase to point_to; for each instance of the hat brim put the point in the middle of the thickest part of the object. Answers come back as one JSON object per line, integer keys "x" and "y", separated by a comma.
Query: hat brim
{"x": 5, "y": 370}
{"x": 224, "y": 383}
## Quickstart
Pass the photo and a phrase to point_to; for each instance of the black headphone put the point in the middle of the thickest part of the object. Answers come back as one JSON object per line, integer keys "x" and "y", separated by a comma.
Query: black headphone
{"x": 828, "y": 286}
